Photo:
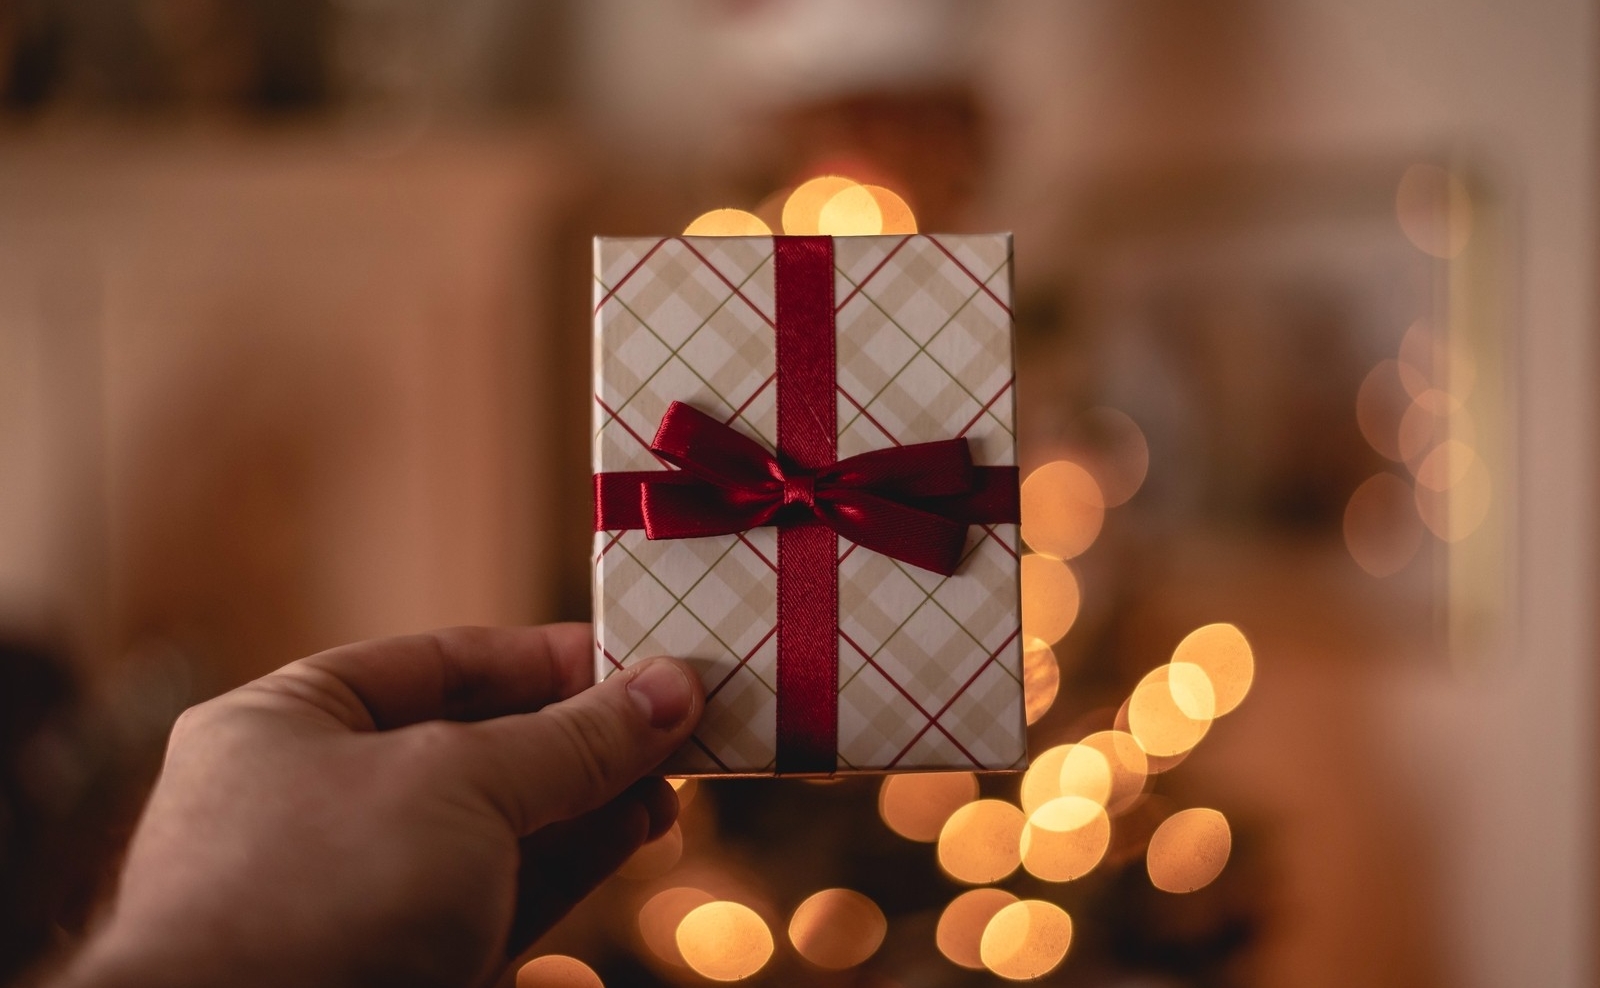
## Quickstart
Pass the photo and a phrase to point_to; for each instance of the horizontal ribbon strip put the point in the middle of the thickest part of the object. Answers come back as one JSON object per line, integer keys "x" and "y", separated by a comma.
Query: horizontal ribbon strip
{"x": 913, "y": 503}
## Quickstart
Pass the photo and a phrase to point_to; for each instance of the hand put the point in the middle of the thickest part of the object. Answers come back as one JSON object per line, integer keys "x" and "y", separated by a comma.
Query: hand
{"x": 412, "y": 811}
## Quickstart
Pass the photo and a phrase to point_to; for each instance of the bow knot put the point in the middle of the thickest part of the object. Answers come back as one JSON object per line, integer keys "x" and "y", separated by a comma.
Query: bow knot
{"x": 800, "y": 488}
{"x": 910, "y": 502}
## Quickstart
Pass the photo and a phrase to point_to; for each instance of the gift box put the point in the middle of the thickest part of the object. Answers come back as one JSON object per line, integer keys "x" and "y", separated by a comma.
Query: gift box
{"x": 805, "y": 485}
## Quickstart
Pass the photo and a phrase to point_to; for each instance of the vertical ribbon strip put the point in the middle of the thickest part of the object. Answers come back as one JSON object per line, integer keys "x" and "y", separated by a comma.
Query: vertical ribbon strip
{"x": 808, "y": 568}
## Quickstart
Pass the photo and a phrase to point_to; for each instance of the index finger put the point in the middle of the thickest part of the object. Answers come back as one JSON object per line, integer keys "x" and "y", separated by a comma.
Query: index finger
{"x": 451, "y": 674}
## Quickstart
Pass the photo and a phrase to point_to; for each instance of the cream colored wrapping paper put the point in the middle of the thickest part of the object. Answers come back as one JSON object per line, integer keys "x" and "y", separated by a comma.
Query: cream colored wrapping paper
{"x": 930, "y": 668}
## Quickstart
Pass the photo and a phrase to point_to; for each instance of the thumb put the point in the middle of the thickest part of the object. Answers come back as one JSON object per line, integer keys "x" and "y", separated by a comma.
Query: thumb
{"x": 576, "y": 755}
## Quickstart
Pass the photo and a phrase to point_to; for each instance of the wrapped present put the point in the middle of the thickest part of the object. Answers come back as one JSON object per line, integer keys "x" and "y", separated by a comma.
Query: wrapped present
{"x": 806, "y": 486}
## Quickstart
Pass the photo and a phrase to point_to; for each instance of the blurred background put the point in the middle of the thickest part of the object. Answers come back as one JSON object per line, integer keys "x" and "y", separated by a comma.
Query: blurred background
{"x": 294, "y": 339}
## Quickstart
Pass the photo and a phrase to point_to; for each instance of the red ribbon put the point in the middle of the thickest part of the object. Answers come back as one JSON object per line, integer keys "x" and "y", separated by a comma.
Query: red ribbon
{"x": 912, "y": 503}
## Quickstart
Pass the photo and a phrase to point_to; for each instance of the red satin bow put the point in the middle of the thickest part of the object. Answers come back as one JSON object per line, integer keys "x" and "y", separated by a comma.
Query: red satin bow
{"x": 909, "y": 502}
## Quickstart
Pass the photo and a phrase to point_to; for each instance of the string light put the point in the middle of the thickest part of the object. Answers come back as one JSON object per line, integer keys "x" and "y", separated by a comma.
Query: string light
{"x": 963, "y": 921}
{"x": 727, "y": 223}
{"x": 557, "y": 971}
{"x": 1041, "y": 678}
{"x": 981, "y": 842}
{"x": 1065, "y": 839}
{"x": 724, "y": 941}
{"x": 1026, "y": 940}
{"x": 1189, "y": 850}
{"x": 837, "y": 928}
{"x": 917, "y": 806}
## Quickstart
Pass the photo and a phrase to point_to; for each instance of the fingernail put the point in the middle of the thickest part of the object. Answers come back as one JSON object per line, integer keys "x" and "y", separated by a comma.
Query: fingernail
{"x": 661, "y": 691}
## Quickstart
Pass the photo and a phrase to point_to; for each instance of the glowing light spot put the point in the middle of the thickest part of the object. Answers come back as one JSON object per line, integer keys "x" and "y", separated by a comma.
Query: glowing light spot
{"x": 1380, "y": 402}
{"x": 557, "y": 971}
{"x": 1041, "y": 678}
{"x": 659, "y": 919}
{"x": 727, "y": 223}
{"x": 686, "y": 790}
{"x": 1042, "y": 781}
{"x": 1192, "y": 690}
{"x": 1432, "y": 417}
{"x": 1127, "y": 763}
{"x": 1447, "y": 466}
{"x": 802, "y": 211}
{"x": 962, "y": 923}
{"x": 1026, "y": 940}
{"x": 1154, "y": 763}
{"x": 851, "y": 212}
{"x": 724, "y": 941}
{"x": 1062, "y": 509}
{"x": 1157, "y": 717}
{"x": 1223, "y": 654}
{"x": 655, "y": 858}
{"x": 1381, "y": 528}
{"x": 1437, "y": 361}
{"x": 1065, "y": 839}
{"x": 1189, "y": 850}
{"x": 1455, "y": 514}
{"x": 917, "y": 806}
{"x": 981, "y": 842}
{"x": 1435, "y": 210}
{"x": 837, "y": 928}
{"x": 1085, "y": 772}
{"x": 897, "y": 216}
{"x": 1121, "y": 457}
{"x": 1049, "y": 598}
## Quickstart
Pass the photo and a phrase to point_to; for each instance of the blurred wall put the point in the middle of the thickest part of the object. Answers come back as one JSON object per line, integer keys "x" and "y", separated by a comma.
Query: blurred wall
{"x": 1499, "y": 748}
{"x": 265, "y": 395}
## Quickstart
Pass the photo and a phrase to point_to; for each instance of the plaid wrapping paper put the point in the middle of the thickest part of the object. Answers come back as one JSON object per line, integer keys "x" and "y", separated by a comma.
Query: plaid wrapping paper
{"x": 930, "y": 668}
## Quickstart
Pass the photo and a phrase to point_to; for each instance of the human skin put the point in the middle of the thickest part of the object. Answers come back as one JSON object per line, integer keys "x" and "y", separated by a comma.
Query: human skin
{"x": 410, "y": 811}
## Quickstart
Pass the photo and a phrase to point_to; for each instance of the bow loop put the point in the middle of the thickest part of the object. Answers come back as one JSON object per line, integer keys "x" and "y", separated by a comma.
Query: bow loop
{"x": 900, "y": 501}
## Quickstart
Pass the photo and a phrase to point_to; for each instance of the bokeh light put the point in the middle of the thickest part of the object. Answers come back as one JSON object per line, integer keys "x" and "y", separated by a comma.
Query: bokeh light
{"x": 1455, "y": 514}
{"x": 837, "y": 928}
{"x": 1049, "y": 598}
{"x": 1157, "y": 719}
{"x": 1026, "y": 940}
{"x": 724, "y": 941}
{"x": 1042, "y": 780}
{"x": 963, "y": 921}
{"x": 1041, "y": 678}
{"x": 1120, "y": 460}
{"x": 1432, "y": 417}
{"x": 851, "y": 212}
{"x": 1062, "y": 509}
{"x": 895, "y": 213}
{"x": 1224, "y": 655}
{"x": 727, "y": 223}
{"x": 1446, "y": 465}
{"x": 1065, "y": 838}
{"x": 916, "y": 806}
{"x": 655, "y": 858}
{"x": 1189, "y": 850}
{"x": 1380, "y": 402}
{"x": 981, "y": 842}
{"x": 1127, "y": 763}
{"x": 802, "y": 211}
{"x": 1435, "y": 210}
{"x": 660, "y": 916}
{"x": 686, "y": 790}
{"x": 557, "y": 971}
{"x": 1382, "y": 529}
{"x": 1086, "y": 773}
